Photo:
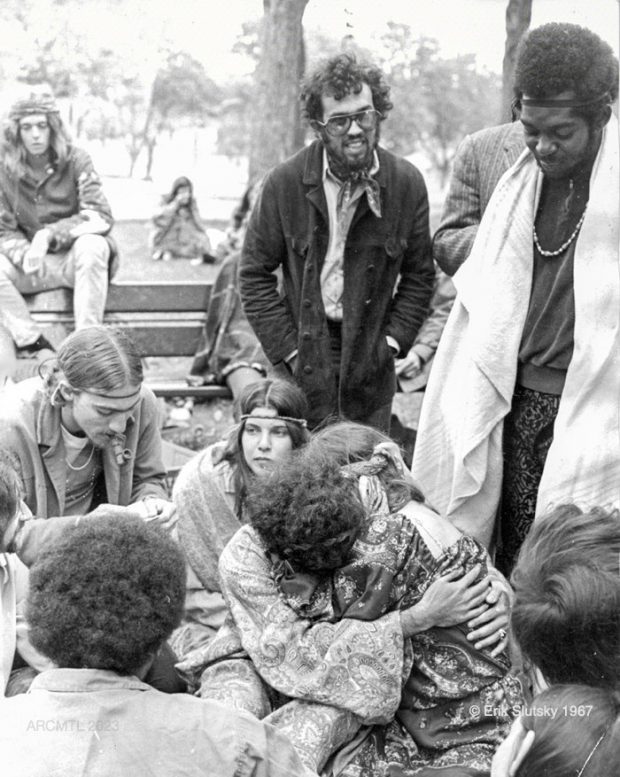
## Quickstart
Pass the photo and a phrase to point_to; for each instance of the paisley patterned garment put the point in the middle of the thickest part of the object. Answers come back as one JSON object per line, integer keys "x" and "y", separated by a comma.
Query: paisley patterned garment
{"x": 325, "y": 661}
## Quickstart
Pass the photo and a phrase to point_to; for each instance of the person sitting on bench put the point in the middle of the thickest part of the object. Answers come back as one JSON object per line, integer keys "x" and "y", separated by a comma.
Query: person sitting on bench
{"x": 54, "y": 220}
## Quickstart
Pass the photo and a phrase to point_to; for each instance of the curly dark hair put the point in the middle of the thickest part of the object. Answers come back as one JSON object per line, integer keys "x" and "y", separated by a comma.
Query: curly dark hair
{"x": 567, "y": 596}
{"x": 561, "y": 57}
{"x": 340, "y": 76}
{"x": 308, "y": 512}
{"x": 106, "y": 595}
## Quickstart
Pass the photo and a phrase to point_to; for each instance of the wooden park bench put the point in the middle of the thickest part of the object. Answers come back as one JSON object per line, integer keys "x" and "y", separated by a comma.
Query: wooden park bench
{"x": 164, "y": 318}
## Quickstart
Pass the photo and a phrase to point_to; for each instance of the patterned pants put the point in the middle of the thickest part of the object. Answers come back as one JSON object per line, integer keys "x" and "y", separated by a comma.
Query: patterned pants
{"x": 528, "y": 434}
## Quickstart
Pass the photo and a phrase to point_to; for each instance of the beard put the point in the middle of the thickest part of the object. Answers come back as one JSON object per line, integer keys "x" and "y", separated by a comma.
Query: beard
{"x": 344, "y": 167}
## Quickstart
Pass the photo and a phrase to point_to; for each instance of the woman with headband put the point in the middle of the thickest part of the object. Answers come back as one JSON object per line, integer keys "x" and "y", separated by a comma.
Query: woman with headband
{"x": 86, "y": 433}
{"x": 211, "y": 490}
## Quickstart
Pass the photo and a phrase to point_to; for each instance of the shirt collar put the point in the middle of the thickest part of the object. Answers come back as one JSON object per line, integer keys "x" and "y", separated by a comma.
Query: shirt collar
{"x": 328, "y": 175}
{"x": 85, "y": 680}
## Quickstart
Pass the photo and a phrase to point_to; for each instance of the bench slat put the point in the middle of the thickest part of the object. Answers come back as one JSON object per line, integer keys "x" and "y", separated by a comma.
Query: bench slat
{"x": 147, "y": 296}
{"x": 179, "y": 389}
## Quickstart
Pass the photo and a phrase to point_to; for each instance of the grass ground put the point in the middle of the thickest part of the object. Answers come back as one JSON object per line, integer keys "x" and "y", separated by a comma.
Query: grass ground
{"x": 210, "y": 420}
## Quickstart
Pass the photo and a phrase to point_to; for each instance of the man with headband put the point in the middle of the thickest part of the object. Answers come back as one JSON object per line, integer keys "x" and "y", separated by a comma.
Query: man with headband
{"x": 521, "y": 411}
{"x": 54, "y": 220}
{"x": 86, "y": 434}
{"x": 347, "y": 223}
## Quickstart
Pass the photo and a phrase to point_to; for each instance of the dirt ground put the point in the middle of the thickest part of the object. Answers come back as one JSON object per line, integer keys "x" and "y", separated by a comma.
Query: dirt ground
{"x": 212, "y": 419}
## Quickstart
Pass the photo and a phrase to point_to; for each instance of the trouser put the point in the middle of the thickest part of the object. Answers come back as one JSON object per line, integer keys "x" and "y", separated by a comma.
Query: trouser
{"x": 378, "y": 418}
{"x": 528, "y": 434}
{"x": 84, "y": 268}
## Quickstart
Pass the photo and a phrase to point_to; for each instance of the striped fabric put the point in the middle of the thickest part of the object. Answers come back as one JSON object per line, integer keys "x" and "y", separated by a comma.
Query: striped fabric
{"x": 480, "y": 161}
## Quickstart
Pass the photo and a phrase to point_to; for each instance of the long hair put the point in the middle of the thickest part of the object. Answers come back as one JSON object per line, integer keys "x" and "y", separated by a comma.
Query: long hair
{"x": 280, "y": 395}
{"x": 96, "y": 358}
{"x": 13, "y": 152}
{"x": 349, "y": 444}
{"x": 577, "y": 732}
{"x": 177, "y": 184}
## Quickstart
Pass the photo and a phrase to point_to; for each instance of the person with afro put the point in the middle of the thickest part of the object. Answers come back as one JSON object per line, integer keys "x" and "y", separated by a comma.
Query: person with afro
{"x": 521, "y": 410}
{"x": 102, "y": 601}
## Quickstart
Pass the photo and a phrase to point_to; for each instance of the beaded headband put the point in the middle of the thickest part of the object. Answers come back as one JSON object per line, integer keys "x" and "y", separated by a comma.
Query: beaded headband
{"x": 299, "y": 421}
{"x": 35, "y": 102}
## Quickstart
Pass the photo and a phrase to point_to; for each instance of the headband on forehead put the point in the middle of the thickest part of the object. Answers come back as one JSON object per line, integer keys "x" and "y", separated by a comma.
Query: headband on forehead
{"x": 35, "y": 102}
{"x": 299, "y": 421}
{"x": 550, "y": 102}
{"x": 120, "y": 396}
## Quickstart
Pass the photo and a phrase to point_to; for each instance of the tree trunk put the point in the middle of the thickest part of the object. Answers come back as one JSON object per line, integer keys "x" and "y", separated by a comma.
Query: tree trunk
{"x": 150, "y": 155}
{"x": 276, "y": 128}
{"x": 518, "y": 17}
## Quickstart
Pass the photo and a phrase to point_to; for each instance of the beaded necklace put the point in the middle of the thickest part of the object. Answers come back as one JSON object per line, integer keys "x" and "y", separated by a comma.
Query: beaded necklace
{"x": 565, "y": 244}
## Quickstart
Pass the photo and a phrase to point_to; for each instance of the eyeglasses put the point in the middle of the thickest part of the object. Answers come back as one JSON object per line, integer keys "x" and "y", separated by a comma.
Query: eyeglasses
{"x": 27, "y": 126}
{"x": 339, "y": 125}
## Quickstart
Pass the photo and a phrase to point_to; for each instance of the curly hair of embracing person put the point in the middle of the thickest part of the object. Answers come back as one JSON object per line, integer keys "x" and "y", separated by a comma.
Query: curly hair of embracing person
{"x": 106, "y": 594}
{"x": 307, "y": 512}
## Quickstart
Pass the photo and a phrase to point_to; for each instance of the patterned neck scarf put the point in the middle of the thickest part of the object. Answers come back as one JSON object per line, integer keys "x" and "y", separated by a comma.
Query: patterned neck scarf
{"x": 350, "y": 179}
{"x": 371, "y": 187}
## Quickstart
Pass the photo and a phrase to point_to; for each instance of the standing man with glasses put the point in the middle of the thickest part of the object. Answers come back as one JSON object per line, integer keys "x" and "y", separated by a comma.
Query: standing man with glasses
{"x": 347, "y": 221}
{"x": 54, "y": 220}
